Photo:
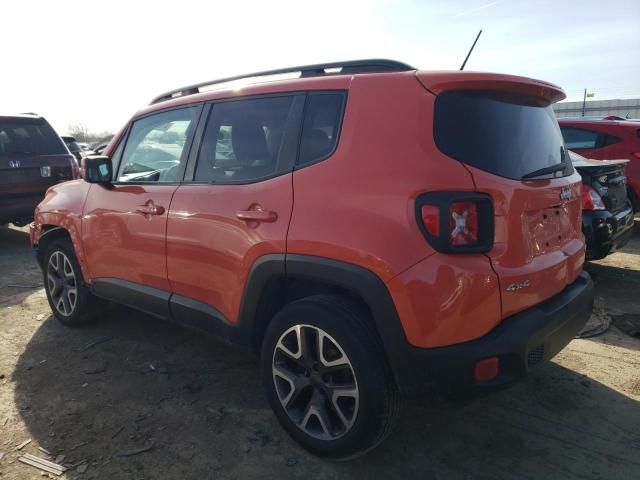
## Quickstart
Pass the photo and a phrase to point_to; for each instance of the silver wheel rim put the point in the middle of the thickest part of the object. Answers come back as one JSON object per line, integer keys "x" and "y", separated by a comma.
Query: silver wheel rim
{"x": 61, "y": 283}
{"x": 315, "y": 382}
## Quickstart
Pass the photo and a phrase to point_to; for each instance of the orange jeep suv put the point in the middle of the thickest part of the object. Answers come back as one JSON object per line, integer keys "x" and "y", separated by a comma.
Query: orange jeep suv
{"x": 372, "y": 231}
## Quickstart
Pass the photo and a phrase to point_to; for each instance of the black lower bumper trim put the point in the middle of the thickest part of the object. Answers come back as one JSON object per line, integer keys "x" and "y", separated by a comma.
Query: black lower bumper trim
{"x": 521, "y": 342}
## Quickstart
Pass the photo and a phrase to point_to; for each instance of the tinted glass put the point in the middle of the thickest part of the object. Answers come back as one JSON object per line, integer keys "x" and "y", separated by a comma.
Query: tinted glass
{"x": 243, "y": 140}
{"x": 579, "y": 138}
{"x": 28, "y": 135}
{"x": 504, "y": 134}
{"x": 73, "y": 146}
{"x": 155, "y": 148}
{"x": 611, "y": 140}
{"x": 321, "y": 128}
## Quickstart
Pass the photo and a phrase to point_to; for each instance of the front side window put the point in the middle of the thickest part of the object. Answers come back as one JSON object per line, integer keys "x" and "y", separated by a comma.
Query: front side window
{"x": 576, "y": 138}
{"x": 155, "y": 149}
{"x": 243, "y": 140}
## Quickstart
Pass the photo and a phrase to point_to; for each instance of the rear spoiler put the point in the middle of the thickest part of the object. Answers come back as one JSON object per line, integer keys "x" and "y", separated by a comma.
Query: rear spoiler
{"x": 438, "y": 82}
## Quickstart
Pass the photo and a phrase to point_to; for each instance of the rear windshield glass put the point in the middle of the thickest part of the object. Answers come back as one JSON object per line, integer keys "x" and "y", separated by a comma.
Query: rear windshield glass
{"x": 28, "y": 135}
{"x": 505, "y": 134}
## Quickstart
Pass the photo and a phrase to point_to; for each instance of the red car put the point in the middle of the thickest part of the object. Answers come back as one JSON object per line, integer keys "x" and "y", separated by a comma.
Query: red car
{"x": 372, "y": 231}
{"x": 611, "y": 138}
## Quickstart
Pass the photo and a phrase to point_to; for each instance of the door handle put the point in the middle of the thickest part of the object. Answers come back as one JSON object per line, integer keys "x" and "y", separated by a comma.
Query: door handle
{"x": 257, "y": 215}
{"x": 150, "y": 209}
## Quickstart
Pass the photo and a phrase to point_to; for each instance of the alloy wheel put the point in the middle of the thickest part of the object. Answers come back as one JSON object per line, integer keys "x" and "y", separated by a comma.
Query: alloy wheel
{"x": 315, "y": 382}
{"x": 61, "y": 282}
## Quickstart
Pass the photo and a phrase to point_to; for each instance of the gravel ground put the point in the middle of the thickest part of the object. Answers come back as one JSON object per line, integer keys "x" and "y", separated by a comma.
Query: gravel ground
{"x": 94, "y": 397}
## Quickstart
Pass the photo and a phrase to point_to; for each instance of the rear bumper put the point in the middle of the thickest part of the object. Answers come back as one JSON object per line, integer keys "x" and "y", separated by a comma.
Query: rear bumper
{"x": 605, "y": 232}
{"x": 19, "y": 208}
{"x": 520, "y": 342}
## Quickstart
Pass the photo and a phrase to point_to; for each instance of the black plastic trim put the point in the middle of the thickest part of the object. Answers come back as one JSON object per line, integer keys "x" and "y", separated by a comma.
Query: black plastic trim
{"x": 372, "y": 290}
{"x": 547, "y": 327}
{"x": 348, "y": 68}
{"x": 141, "y": 297}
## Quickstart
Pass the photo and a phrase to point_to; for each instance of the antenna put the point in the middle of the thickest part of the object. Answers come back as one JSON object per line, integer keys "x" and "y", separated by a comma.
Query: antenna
{"x": 470, "y": 50}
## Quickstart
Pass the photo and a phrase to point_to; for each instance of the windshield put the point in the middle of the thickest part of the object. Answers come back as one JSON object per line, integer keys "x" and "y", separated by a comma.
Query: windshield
{"x": 510, "y": 135}
{"x": 28, "y": 135}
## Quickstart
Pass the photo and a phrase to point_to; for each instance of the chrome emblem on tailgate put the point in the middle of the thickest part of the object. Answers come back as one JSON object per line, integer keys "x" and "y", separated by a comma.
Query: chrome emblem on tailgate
{"x": 566, "y": 193}
{"x": 14, "y": 163}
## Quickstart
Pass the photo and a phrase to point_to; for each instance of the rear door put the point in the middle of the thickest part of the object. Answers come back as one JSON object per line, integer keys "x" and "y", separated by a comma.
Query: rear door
{"x": 506, "y": 135}
{"x": 234, "y": 206}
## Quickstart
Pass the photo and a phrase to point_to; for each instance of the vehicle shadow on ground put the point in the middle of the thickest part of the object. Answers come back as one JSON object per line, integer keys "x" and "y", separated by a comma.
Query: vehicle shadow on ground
{"x": 16, "y": 284}
{"x": 132, "y": 382}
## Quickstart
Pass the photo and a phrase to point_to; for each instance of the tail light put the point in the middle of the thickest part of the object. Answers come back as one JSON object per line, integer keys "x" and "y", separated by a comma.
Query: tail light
{"x": 590, "y": 199}
{"x": 636, "y": 154}
{"x": 456, "y": 222}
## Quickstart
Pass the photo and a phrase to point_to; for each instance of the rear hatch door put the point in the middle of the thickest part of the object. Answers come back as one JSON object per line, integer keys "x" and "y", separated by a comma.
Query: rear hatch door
{"x": 503, "y": 129}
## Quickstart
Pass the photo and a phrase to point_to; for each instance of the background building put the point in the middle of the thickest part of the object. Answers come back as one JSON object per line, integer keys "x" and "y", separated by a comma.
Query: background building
{"x": 624, "y": 107}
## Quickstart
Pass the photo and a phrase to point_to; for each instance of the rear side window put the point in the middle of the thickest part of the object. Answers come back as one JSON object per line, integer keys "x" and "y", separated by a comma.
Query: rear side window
{"x": 321, "y": 128}
{"x": 28, "y": 136}
{"x": 509, "y": 135}
{"x": 611, "y": 140}
{"x": 243, "y": 140}
{"x": 576, "y": 138}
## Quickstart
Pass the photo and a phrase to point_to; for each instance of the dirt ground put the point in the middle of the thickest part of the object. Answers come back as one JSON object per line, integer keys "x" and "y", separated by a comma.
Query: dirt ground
{"x": 197, "y": 405}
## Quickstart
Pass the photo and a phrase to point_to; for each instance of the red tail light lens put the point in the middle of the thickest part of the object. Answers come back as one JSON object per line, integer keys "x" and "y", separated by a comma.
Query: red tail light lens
{"x": 456, "y": 222}
{"x": 463, "y": 223}
{"x": 590, "y": 199}
{"x": 636, "y": 154}
{"x": 431, "y": 219}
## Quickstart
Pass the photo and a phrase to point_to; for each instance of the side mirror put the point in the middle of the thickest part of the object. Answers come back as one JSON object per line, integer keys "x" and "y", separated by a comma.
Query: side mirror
{"x": 97, "y": 169}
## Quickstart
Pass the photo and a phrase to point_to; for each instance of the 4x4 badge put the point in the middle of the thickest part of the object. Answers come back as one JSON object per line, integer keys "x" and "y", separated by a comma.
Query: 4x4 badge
{"x": 566, "y": 193}
{"x": 518, "y": 286}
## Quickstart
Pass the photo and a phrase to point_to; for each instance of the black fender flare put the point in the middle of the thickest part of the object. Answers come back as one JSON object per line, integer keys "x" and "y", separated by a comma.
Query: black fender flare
{"x": 361, "y": 282}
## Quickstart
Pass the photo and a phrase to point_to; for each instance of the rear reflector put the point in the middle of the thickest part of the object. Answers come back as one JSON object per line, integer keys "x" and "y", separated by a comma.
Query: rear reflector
{"x": 486, "y": 369}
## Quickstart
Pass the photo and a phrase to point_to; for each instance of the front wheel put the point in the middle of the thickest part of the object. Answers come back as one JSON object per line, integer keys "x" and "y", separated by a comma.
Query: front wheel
{"x": 70, "y": 299}
{"x": 326, "y": 377}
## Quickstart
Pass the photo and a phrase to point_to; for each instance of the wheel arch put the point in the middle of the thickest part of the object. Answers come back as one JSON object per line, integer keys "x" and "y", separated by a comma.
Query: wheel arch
{"x": 52, "y": 232}
{"x": 276, "y": 280}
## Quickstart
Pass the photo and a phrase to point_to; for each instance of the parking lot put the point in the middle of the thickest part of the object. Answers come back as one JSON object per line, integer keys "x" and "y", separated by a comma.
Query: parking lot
{"x": 135, "y": 398}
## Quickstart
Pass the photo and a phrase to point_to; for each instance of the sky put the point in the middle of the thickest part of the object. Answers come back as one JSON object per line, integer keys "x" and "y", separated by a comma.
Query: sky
{"x": 96, "y": 62}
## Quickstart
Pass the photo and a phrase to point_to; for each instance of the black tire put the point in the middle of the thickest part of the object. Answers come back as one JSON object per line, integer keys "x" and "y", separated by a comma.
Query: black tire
{"x": 375, "y": 405}
{"x": 86, "y": 308}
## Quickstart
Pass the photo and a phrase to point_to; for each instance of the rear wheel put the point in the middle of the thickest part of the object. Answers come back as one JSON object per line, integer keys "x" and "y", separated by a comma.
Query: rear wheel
{"x": 69, "y": 297}
{"x": 327, "y": 379}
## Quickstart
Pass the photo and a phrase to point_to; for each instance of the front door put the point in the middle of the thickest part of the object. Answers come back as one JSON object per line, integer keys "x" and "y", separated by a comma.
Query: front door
{"x": 124, "y": 224}
{"x": 237, "y": 206}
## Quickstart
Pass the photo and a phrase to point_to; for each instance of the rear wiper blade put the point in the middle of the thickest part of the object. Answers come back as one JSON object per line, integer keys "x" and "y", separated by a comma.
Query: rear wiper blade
{"x": 546, "y": 170}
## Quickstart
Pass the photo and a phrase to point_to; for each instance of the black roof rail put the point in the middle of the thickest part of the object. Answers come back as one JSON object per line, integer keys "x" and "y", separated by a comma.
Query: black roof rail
{"x": 348, "y": 67}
